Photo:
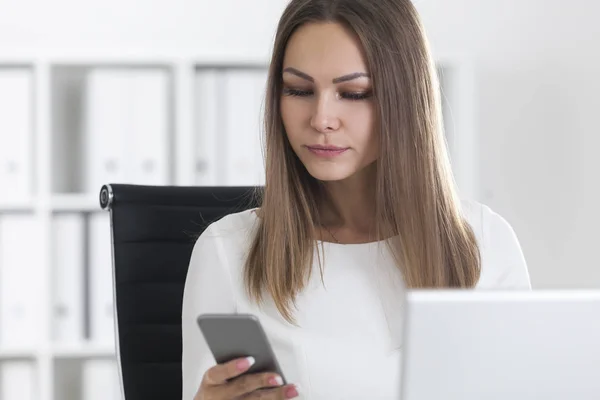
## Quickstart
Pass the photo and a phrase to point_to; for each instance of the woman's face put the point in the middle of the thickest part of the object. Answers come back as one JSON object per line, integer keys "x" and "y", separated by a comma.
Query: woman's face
{"x": 326, "y": 103}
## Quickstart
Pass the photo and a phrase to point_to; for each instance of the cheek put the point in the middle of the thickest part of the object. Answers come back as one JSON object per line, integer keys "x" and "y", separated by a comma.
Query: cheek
{"x": 293, "y": 115}
{"x": 360, "y": 121}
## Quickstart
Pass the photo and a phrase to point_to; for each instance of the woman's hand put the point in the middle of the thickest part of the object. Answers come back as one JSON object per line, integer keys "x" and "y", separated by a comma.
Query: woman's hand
{"x": 216, "y": 383}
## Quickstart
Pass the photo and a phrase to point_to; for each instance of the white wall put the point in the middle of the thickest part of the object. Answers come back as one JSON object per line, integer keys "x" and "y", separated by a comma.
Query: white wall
{"x": 224, "y": 27}
{"x": 538, "y": 83}
{"x": 537, "y": 61}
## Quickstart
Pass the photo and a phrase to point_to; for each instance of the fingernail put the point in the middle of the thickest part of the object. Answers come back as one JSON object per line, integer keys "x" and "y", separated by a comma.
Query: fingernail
{"x": 245, "y": 363}
{"x": 291, "y": 392}
{"x": 276, "y": 381}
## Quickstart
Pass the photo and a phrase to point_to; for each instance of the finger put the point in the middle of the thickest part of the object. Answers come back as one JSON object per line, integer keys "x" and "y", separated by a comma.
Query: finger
{"x": 221, "y": 373}
{"x": 284, "y": 392}
{"x": 249, "y": 383}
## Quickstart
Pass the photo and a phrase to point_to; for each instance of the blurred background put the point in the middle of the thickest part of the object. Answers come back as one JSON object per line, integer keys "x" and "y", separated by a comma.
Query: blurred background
{"x": 170, "y": 92}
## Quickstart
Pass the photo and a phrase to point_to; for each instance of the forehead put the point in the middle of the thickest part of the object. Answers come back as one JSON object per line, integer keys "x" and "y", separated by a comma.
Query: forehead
{"x": 325, "y": 51}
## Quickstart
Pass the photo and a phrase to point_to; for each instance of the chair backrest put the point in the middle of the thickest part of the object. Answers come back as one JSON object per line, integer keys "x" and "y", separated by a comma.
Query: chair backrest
{"x": 154, "y": 229}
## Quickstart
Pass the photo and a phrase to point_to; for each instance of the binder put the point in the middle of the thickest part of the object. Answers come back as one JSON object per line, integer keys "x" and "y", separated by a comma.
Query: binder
{"x": 149, "y": 127}
{"x": 242, "y": 126}
{"x": 20, "y": 281}
{"x": 68, "y": 266}
{"x": 100, "y": 380}
{"x": 18, "y": 381}
{"x": 100, "y": 280}
{"x": 16, "y": 121}
{"x": 107, "y": 114}
{"x": 127, "y": 127}
{"x": 208, "y": 106}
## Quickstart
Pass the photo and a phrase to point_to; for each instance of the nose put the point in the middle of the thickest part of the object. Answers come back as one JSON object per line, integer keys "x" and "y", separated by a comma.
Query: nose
{"x": 325, "y": 118}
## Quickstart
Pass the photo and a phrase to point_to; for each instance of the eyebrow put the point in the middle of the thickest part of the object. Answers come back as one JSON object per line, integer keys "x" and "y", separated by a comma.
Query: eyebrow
{"x": 340, "y": 79}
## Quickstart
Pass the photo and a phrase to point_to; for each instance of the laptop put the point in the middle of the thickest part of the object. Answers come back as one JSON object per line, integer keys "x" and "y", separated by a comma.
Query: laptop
{"x": 498, "y": 345}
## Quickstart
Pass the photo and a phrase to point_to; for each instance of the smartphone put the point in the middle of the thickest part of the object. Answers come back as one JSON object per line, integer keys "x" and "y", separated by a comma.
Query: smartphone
{"x": 231, "y": 336}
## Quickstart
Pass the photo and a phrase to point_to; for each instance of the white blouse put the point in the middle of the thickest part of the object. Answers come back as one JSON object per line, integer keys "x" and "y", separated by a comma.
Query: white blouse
{"x": 346, "y": 345}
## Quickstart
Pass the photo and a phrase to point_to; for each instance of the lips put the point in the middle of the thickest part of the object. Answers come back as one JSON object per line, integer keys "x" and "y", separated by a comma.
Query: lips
{"x": 327, "y": 148}
{"x": 327, "y": 151}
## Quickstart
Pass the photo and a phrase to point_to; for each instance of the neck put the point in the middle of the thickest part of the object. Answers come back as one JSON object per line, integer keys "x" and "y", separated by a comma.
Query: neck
{"x": 349, "y": 204}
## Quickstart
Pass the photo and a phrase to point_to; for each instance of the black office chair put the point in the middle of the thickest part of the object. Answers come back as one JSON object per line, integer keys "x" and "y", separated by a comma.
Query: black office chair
{"x": 154, "y": 229}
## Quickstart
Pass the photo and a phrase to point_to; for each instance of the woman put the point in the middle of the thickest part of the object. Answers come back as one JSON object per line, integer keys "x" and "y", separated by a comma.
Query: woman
{"x": 359, "y": 203}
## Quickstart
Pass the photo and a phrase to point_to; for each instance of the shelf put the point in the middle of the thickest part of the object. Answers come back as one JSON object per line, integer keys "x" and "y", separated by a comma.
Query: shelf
{"x": 84, "y": 350}
{"x": 75, "y": 203}
{"x": 18, "y": 354}
{"x": 16, "y": 205}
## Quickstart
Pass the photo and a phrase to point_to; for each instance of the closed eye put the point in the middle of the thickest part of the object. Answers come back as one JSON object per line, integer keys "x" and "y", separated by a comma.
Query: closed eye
{"x": 344, "y": 95}
{"x": 356, "y": 95}
{"x": 296, "y": 92}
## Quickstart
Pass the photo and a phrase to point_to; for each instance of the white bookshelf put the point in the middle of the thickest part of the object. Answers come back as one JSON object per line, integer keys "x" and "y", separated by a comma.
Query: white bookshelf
{"x": 58, "y": 187}
{"x": 194, "y": 157}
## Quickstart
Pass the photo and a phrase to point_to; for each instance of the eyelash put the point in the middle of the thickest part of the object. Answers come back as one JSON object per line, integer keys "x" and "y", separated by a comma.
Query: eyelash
{"x": 354, "y": 96}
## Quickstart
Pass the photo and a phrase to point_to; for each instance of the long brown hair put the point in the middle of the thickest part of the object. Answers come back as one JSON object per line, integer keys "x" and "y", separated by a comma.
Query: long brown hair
{"x": 416, "y": 205}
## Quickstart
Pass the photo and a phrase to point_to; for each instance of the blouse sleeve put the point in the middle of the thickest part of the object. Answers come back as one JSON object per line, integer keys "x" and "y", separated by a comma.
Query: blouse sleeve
{"x": 208, "y": 289}
{"x": 505, "y": 253}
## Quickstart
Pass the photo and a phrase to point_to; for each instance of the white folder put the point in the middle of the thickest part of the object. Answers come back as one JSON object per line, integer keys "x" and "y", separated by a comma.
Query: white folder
{"x": 244, "y": 94}
{"x": 68, "y": 266}
{"x": 16, "y": 121}
{"x": 100, "y": 280}
{"x": 100, "y": 380}
{"x": 207, "y": 95}
{"x": 20, "y": 283}
{"x": 128, "y": 121}
{"x": 150, "y": 126}
{"x": 18, "y": 381}
{"x": 107, "y": 120}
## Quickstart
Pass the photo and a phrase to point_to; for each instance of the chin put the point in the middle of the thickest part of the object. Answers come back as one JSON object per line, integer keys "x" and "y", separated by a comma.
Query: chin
{"x": 328, "y": 174}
